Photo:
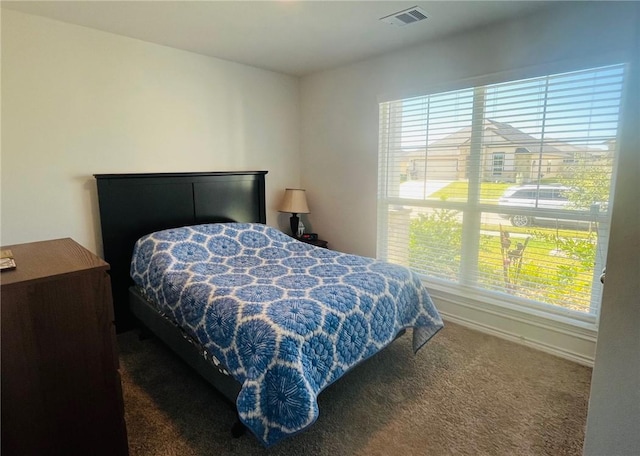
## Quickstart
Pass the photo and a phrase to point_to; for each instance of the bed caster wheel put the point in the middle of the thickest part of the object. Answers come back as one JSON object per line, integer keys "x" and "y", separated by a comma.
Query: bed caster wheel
{"x": 238, "y": 429}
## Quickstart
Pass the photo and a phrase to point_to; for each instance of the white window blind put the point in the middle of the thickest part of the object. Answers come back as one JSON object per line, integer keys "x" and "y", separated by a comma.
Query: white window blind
{"x": 504, "y": 188}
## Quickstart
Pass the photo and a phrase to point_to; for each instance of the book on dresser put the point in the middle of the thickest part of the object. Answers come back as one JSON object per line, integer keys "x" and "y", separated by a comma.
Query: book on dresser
{"x": 6, "y": 260}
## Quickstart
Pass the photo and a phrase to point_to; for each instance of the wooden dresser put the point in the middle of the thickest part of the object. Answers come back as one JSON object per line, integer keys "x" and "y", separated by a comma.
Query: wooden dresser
{"x": 61, "y": 391}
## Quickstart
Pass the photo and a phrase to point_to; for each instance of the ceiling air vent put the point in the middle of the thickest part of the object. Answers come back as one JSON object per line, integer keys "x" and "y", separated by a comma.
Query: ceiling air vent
{"x": 405, "y": 17}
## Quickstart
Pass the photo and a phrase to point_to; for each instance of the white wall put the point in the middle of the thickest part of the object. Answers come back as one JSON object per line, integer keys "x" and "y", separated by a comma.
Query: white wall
{"x": 613, "y": 425}
{"x": 78, "y": 102}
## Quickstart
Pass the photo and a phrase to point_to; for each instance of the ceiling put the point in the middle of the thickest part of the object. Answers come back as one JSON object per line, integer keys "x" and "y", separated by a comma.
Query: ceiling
{"x": 295, "y": 37}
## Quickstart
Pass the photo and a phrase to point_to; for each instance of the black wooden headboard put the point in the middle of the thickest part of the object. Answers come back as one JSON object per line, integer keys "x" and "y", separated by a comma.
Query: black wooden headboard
{"x": 132, "y": 205}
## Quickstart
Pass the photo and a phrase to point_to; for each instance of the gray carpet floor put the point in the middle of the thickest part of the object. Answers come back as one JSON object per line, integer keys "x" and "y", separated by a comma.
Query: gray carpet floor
{"x": 463, "y": 393}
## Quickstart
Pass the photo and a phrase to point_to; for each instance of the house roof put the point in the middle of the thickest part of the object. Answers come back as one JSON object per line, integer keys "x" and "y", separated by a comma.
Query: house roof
{"x": 503, "y": 133}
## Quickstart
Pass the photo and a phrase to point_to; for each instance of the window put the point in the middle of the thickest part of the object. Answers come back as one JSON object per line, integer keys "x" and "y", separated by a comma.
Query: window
{"x": 511, "y": 194}
{"x": 498, "y": 164}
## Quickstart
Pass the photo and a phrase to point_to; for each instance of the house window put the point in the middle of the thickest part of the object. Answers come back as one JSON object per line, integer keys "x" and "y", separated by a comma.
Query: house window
{"x": 498, "y": 164}
{"x": 536, "y": 237}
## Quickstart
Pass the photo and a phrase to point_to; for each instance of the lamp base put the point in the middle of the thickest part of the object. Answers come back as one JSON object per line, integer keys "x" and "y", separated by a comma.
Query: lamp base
{"x": 293, "y": 224}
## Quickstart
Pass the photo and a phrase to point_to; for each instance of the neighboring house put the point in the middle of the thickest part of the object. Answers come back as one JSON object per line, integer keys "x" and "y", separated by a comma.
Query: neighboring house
{"x": 508, "y": 155}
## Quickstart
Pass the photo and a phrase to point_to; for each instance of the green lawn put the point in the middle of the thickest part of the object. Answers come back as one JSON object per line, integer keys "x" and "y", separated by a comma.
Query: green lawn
{"x": 546, "y": 273}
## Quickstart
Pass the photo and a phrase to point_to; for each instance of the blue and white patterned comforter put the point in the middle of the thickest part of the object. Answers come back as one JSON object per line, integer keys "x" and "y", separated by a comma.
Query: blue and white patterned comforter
{"x": 286, "y": 318}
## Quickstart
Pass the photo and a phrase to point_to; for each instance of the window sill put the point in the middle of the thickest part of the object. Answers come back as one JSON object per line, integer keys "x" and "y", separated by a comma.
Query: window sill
{"x": 554, "y": 333}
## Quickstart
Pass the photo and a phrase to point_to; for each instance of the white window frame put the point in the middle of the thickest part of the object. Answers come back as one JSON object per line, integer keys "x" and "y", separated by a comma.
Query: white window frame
{"x": 515, "y": 309}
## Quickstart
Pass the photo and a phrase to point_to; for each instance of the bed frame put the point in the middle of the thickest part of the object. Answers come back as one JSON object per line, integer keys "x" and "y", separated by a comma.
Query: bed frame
{"x": 132, "y": 205}
{"x": 186, "y": 348}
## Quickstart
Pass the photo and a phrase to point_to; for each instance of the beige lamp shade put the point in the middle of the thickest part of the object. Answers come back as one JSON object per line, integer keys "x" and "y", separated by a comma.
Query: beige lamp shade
{"x": 294, "y": 201}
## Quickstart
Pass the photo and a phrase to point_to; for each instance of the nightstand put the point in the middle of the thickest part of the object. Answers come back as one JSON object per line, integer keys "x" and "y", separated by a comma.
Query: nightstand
{"x": 316, "y": 242}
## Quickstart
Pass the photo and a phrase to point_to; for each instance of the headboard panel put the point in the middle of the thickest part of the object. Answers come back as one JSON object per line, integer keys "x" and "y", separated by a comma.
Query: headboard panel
{"x": 132, "y": 205}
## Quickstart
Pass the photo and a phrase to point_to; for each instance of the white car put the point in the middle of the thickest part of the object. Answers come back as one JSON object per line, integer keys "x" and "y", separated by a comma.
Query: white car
{"x": 547, "y": 197}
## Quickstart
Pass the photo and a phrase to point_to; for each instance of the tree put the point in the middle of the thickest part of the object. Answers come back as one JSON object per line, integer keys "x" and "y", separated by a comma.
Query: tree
{"x": 590, "y": 182}
{"x": 436, "y": 239}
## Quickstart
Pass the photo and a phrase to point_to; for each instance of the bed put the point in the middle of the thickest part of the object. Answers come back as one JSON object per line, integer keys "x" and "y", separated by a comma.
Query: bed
{"x": 268, "y": 320}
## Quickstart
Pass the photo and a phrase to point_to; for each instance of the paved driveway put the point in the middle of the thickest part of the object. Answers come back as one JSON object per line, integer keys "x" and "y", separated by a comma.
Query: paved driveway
{"x": 418, "y": 189}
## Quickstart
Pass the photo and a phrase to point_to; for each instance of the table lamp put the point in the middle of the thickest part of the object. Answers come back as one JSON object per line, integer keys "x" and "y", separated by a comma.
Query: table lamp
{"x": 295, "y": 202}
